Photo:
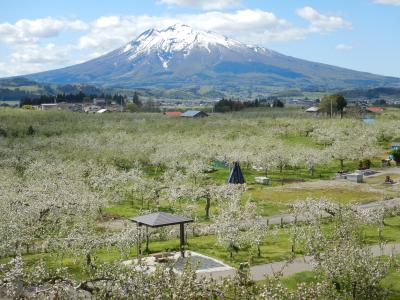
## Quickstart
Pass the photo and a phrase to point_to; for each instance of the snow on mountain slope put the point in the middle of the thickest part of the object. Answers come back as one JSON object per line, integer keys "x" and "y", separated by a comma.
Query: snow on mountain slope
{"x": 178, "y": 39}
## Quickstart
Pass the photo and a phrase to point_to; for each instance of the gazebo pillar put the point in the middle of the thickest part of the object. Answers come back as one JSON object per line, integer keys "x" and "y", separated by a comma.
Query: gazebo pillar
{"x": 182, "y": 239}
{"x": 138, "y": 242}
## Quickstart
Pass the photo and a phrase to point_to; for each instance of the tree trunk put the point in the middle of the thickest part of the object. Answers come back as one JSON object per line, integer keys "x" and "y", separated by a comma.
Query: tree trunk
{"x": 258, "y": 251}
{"x": 88, "y": 259}
{"x": 341, "y": 163}
{"x": 312, "y": 170}
{"x": 207, "y": 208}
{"x": 354, "y": 291}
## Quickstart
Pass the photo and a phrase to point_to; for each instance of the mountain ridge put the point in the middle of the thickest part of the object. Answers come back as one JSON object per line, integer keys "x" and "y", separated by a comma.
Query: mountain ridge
{"x": 182, "y": 56}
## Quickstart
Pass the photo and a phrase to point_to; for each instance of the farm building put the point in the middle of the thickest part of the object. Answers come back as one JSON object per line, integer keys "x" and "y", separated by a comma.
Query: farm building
{"x": 395, "y": 145}
{"x": 99, "y": 101}
{"x": 91, "y": 109}
{"x": 102, "y": 111}
{"x": 312, "y": 109}
{"x": 375, "y": 109}
{"x": 194, "y": 114}
{"x": 48, "y": 106}
{"x": 173, "y": 114}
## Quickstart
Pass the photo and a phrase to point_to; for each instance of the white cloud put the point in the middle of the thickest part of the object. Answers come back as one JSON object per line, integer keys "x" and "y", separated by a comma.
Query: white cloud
{"x": 107, "y": 22}
{"x": 203, "y": 4}
{"x": 250, "y": 26}
{"x": 322, "y": 23}
{"x": 344, "y": 47}
{"x": 35, "y": 58}
{"x": 388, "y": 2}
{"x": 48, "y": 54}
{"x": 30, "y": 31}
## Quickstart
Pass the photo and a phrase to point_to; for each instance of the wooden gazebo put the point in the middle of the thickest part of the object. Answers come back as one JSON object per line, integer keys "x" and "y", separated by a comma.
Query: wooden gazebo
{"x": 161, "y": 219}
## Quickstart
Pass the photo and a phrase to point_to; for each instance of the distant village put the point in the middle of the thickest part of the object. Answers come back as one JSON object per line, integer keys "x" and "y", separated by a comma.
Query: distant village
{"x": 81, "y": 103}
{"x": 101, "y": 106}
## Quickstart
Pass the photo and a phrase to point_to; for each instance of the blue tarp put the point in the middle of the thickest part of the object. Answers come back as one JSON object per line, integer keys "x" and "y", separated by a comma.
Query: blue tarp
{"x": 369, "y": 121}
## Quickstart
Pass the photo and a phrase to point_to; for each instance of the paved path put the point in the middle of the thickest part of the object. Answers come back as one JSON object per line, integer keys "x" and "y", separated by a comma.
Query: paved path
{"x": 302, "y": 264}
{"x": 380, "y": 172}
{"x": 287, "y": 218}
{"x": 297, "y": 265}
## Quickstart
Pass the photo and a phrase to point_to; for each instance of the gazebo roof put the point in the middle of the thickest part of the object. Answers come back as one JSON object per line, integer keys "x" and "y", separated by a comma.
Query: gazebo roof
{"x": 160, "y": 219}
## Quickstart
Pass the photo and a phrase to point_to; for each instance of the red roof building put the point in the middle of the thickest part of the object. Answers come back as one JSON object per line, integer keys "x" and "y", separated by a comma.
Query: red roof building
{"x": 374, "y": 108}
{"x": 173, "y": 114}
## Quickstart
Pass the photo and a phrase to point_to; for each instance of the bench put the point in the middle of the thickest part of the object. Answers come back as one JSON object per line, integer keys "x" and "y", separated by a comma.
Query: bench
{"x": 162, "y": 256}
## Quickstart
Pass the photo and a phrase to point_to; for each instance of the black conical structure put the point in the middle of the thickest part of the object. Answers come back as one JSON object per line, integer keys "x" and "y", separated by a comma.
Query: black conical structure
{"x": 236, "y": 176}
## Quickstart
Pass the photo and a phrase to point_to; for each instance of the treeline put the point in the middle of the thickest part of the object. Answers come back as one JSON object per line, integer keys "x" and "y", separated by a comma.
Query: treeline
{"x": 136, "y": 105}
{"x": 229, "y": 105}
{"x": 14, "y": 94}
{"x": 72, "y": 98}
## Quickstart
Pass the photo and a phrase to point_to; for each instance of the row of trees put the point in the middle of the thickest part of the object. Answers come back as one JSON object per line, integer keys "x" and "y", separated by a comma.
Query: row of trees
{"x": 71, "y": 98}
{"x": 333, "y": 104}
{"x": 230, "y": 105}
{"x": 345, "y": 266}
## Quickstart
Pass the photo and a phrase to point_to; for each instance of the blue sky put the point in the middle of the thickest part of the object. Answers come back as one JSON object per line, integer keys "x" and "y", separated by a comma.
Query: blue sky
{"x": 45, "y": 34}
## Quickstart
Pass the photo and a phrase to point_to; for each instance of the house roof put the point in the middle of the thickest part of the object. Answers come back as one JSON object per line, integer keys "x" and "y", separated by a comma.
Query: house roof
{"x": 374, "y": 108}
{"x": 173, "y": 113}
{"x": 312, "y": 109}
{"x": 160, "y": 219}
{"x": 192, "y": 113}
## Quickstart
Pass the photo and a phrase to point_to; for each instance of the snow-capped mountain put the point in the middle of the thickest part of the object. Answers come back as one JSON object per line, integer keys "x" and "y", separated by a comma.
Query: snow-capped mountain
{"x": 175, "y": 39}
{"x": 181, "y": 56}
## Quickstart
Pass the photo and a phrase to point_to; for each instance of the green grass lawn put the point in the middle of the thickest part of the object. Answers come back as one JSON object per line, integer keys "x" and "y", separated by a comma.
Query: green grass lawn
{"x": 272, "y": 201}
{"x": 381, "y": 179}
{"x": 390, "y": 231}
